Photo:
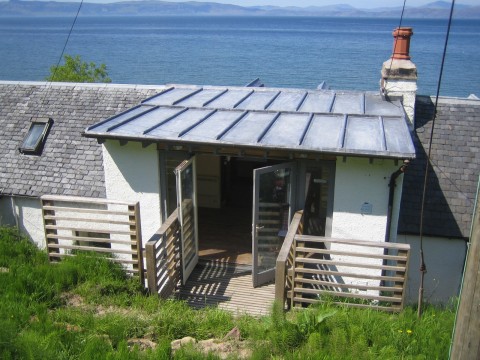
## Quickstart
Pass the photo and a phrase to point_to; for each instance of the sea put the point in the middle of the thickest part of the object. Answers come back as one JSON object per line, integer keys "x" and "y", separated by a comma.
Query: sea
{"x": 300, "y": 52}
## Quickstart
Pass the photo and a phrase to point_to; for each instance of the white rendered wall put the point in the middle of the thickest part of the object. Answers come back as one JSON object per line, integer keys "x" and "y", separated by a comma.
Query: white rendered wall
{"x": 29, "y": 214}
{"x": 360, "y": 208}
{"x": 361, "y": 183}
{"x": 444, "y": 258}
{"x": 132, "y": 174}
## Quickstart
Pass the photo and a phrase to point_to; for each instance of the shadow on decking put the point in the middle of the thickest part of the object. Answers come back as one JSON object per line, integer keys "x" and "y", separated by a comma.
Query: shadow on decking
{"x": 228, "y": 286}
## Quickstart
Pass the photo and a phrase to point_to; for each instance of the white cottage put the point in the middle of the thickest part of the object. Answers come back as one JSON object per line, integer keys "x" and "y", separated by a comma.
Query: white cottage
{"x": 240, "y": 162}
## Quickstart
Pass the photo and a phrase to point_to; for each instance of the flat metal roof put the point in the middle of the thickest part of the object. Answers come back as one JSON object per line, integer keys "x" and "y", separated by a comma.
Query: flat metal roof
{"x": 321, "y": 121}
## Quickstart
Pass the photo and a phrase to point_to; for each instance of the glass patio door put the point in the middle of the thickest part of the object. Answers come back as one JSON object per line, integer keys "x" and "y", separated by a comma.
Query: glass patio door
{"x": 187, "y": 215}
{"x": 273, "y": 197}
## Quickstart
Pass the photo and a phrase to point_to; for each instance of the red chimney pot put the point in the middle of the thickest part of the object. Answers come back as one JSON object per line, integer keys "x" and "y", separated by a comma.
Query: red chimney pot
{"x": 401, "y": 43}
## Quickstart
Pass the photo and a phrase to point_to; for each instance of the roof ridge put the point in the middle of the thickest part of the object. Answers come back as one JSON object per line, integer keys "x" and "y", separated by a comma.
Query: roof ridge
{"x": 82, "y": 85}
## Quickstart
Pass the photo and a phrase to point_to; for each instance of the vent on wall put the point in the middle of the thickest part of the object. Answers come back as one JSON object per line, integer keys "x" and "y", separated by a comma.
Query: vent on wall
{"x": 37, "y": 134}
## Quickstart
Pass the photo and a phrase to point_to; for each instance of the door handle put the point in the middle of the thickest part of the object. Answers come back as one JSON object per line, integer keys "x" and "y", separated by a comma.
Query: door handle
{"x": 257, "y": 228}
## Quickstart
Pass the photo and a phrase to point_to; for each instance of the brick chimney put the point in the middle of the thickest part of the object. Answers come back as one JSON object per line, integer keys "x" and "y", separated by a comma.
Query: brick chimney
{"x": 399, "y": 73}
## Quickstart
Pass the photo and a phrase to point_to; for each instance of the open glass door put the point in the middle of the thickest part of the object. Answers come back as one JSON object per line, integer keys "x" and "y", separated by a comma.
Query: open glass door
{"x": 272, "y": 211}
{"x": 187, "y": 215}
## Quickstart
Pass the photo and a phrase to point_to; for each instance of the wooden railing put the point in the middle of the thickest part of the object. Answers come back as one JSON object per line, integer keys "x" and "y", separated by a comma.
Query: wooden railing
{"x": 163, "y": 258}
{"x": 86, "y": 224}
{"x": 356, "y": 273}
{"x": 284, "y": 263}
{"x": 349, "y": 272}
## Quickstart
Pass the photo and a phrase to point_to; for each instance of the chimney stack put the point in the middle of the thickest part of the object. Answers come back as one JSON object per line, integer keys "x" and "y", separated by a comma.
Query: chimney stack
{"x": 399, "y": 73}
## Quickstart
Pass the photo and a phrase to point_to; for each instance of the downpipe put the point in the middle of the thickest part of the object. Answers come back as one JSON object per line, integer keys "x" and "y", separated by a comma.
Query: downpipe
{"x": 391, "y": 197}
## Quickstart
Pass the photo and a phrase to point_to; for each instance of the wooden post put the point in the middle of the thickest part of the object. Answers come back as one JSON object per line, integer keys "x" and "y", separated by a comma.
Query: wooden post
{"x": 466, "y": 337}
{"x": 137, "y": 239}
{"x": 401, "y": 286}
{"x": 46, "y": 222}
{"x": 150, "y": 255}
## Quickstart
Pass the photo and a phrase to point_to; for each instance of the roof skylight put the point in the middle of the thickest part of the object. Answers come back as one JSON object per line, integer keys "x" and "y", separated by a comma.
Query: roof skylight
{"x": 35, "y": 139}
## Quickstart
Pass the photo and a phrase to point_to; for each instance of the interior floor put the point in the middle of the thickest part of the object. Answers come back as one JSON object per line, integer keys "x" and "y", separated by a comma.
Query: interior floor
{"x": 226, "y": 234}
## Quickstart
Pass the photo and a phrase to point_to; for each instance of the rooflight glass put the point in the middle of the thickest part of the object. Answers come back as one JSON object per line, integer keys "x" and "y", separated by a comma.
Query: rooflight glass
{"x": 35, "y": 137}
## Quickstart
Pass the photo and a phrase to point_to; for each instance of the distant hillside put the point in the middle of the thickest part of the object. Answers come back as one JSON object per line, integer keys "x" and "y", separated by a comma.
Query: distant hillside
{"x": 438, "y": 9}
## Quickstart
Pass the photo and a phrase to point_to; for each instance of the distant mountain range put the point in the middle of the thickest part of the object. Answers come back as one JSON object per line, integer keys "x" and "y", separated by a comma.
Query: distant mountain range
{"x": 437, "y": 9}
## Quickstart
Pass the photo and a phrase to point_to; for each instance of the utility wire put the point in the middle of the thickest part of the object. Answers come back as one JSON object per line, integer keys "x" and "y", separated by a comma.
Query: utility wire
{"x": 423, "y": 267}
{"x": 67, "y": 39}
{"x": 61, "y": 55}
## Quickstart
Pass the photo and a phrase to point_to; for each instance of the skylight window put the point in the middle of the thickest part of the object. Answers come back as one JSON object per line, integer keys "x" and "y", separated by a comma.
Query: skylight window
{"x": 36, "y": 136}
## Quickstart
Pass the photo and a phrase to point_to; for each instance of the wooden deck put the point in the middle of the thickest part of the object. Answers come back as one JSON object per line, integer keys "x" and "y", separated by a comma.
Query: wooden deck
{"x": 228, "y": 286}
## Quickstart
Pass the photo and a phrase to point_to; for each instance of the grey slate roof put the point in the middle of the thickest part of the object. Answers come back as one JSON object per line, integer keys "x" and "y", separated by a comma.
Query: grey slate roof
{"x": 453, "y": 182}
{"x": 323, "y": 121}
{"x": 70, "y": 164}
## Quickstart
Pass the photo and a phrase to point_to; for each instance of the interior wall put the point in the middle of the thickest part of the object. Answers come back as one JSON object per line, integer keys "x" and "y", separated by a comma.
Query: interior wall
{"x": 132, "y": 174}
{"x": 209, "y": 181}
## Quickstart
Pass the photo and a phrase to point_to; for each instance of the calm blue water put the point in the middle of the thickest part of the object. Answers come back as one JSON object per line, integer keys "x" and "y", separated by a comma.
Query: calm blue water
{"x": 286, "y": 52}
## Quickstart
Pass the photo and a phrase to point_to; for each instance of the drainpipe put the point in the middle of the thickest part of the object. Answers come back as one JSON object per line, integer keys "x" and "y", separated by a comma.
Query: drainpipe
{"x": 391, "y": 194}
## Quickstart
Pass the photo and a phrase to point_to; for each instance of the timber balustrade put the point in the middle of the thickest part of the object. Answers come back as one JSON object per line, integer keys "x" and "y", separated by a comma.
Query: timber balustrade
{"x": 163, "y": 258}
{"x": 353, "y": 273}
{"x": 285, "y": 259}
{"x": 104, "y": 226}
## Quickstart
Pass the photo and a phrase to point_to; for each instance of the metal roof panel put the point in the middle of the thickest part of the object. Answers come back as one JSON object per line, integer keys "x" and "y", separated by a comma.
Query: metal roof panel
{"x": 114, "y": 121}
{"x": 201, "y": 98}
{"x": 319, "y": 102}
{"x": 288, "y": 101}
{"x": 146, "y": 121}
{"x": 172, "y": 95}
{"x": 249, "y": 128}
{"x": 173, "y": 128}
{"x": 287, "y": 130}
{"x": 364, "y": 134}
{"x": 397, "y": 135}
{"x": 375, "y": 105}
{"x": 258, "y": 100}
{"x": 348, "y": 103}
{"x": 325, "y": 132}
{"x": 213, "y": 127}
{"x": 231, "y": 98}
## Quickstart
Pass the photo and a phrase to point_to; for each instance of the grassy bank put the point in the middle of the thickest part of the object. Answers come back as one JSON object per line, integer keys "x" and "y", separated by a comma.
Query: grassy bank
{"x": 87, "y": 308}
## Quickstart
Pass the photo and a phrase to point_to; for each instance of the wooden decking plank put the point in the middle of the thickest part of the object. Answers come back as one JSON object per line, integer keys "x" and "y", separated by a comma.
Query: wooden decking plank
{"x": 228, "y": 287}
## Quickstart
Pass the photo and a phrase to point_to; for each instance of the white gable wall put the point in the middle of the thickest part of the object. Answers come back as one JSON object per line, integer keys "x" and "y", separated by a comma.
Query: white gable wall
{"x": 27, "y": 212}
{"x": 361, "y": 184}
{"x": 132, "y": 174}
{"x": 360, "y": 208}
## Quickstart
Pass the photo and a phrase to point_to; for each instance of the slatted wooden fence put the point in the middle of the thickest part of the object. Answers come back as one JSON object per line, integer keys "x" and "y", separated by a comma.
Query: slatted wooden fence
{"x": 354, "y": 273}
{"x": 349, "y": 272}
{"x": 86, "y": 224}
{"x": 163, "y": 258}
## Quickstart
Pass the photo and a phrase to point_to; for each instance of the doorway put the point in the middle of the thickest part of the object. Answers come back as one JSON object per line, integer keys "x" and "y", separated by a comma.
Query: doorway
{"x": 235, "y": 195}
{"x": 225, "y": 187}
{"x": 224, "y": 194}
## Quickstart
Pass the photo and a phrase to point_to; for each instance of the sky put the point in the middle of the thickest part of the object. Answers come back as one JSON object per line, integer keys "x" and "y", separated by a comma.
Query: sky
{"x": 364, "y": 4}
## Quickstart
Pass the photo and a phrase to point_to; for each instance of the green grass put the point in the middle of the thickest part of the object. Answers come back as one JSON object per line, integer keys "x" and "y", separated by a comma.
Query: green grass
{"x": 39, "y": 318}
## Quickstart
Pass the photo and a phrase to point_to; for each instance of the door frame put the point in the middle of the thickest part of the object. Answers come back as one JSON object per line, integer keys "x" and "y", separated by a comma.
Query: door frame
{"x": 262, "y": 277}
{"x": 187, "y": 269}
